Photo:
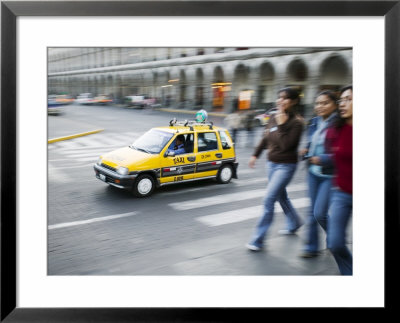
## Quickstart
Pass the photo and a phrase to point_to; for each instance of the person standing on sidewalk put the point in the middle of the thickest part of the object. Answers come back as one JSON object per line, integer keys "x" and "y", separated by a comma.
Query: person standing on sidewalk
{"x": 339, "y": 141}
{"x": 282, "y": 139}
{"x": 320, "y": 169}
{"x": 234, "y": 121}
{"x": 249, "y": 125}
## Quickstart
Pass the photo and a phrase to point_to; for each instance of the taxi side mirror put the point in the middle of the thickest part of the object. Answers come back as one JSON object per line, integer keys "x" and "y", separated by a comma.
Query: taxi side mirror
{"x": 225, "y": 145}
{"x": 169, "y": 154}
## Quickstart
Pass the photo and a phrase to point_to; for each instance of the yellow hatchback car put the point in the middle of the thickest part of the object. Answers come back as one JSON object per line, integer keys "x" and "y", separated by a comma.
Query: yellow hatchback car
{"x": 155, "y": 159}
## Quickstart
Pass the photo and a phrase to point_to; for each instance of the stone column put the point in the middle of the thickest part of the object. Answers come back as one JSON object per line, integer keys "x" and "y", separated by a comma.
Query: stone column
{"x": 229, "y": 95}
{"x": 280, "y": 65}
{"x": 207, "y": 90}
{"x": 253, "y": 81}
{"x": 312, "y": 87}
{"x": 190, "y": 88}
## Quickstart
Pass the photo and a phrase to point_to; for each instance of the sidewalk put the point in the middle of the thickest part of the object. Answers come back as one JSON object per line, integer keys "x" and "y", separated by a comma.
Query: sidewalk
{"x": 63, "y": 129}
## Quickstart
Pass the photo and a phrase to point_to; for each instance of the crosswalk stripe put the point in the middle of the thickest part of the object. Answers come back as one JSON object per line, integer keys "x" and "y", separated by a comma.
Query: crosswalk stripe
{"x": 239, "y": 215}
{"x": 111, "y": 141}
{"x": 131, "y": 136}
{"x": 226, "y": 198}
{"x": 236, "y": 183}
{"x": 68, "y": 150}
{"x": 104, "y": 218}
{"x": 67, "y": 144}
{"x": 248, "y": 171}
{"x": 76, "y": 166}
{"x": 57, "y": 175}
{"x": 106, "y": 141}
{"x": 88, "y": 141}
{"x": 86, "y": 154}
{"x": 248, "y": 181}
{"x": 88, "y": 159}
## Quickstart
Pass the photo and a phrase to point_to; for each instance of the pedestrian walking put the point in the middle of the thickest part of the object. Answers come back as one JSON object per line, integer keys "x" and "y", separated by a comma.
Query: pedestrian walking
{"x": 282, "y": 139}
{"x": 234, "y": 121}
{"x": 320, "y": 169}
{"x": 249, "y": 125}
{"x": 339, "y": 141}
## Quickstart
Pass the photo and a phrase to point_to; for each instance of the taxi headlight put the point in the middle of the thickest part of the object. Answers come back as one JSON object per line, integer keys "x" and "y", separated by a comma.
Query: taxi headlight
{"x": 122, "y": 170}
{"x": 99, "y": 161}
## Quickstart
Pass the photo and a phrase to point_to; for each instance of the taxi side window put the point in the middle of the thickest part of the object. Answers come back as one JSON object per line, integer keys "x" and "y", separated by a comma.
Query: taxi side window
{"x": 207, "y": 141}
{"x": 189, "y": 143}
{"x": 225, "y": 141}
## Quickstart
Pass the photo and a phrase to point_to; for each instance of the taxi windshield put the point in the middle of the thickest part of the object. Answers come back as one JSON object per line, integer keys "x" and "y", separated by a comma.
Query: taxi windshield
{"x": 152, "y": 142}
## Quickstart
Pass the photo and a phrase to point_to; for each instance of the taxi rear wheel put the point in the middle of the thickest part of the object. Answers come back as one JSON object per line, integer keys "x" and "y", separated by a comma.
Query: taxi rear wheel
{"x": 143, "y": 186}
{"x": 225, "y": 174}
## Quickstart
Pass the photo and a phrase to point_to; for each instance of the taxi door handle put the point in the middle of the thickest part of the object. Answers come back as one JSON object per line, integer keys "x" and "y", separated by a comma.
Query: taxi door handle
{"x": 218, "y": 155}
{"x": 191, "y": 158}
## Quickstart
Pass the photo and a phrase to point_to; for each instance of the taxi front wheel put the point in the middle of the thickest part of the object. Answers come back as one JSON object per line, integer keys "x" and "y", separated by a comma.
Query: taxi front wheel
{"x": 143, "y": 186}
{"x": 225, "y": 174}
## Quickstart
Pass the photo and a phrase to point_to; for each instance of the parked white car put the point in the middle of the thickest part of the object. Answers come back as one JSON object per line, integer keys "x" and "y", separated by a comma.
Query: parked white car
{"x": 85, "y": 98}
{"x": 139, "y": 101}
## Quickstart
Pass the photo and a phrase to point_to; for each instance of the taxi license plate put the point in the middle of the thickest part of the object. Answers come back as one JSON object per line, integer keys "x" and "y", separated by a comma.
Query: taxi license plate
{"x": 102, "y": 177}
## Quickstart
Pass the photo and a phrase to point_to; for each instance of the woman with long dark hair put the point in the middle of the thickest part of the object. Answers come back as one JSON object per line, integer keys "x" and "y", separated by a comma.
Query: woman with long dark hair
{"x": 282, "y": 138}
{"x": 339, "y": 141}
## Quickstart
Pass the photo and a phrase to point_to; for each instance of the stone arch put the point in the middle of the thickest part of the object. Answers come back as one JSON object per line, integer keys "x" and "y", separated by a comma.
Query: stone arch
{"x": 334, "y": 73}
{"x": 218, "y": 75}
{"x": 241, "y": 76}
{"x": 297, "y": 71}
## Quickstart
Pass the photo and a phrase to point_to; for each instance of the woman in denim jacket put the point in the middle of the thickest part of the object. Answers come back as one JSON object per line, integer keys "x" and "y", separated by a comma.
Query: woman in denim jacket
{"x": 320, "y": 169}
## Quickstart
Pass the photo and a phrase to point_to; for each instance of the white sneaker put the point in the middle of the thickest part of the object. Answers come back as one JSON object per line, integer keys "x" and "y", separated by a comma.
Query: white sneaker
{"x": 252, "y": 247}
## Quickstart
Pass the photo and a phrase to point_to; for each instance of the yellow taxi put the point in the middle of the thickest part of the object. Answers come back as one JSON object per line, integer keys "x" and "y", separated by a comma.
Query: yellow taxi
{"x": 181, "y": 152}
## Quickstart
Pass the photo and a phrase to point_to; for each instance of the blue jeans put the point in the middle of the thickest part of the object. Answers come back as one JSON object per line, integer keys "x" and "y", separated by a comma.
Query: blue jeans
{"x": 279, "y": 176}
{"x": 320, "y": 191}
{"x": 339, "y": 214}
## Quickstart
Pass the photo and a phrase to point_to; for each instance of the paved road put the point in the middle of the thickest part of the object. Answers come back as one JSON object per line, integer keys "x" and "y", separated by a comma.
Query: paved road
{"x": 187, "y": 229}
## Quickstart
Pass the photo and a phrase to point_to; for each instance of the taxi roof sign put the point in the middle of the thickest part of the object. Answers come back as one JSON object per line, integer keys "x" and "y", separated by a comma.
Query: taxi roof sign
{"x": 190, "y": 123}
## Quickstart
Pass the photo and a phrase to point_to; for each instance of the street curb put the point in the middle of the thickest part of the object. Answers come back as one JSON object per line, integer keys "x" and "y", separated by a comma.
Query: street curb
{"x": 215, "y": 114}
{"x": 50, "y": 141}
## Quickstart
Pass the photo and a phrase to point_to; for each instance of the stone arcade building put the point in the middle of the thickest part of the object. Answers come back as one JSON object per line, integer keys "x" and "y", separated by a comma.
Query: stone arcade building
{"x": 193, "y": 78}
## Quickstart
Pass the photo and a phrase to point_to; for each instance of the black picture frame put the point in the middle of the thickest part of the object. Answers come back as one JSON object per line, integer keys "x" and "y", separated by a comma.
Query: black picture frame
{"x": 11, "y": 10}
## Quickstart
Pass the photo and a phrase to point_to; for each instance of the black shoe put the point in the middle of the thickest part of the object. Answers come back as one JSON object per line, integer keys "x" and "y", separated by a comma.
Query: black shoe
{"x": 309, "y": 254}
